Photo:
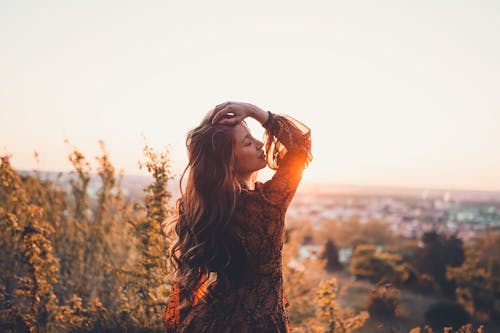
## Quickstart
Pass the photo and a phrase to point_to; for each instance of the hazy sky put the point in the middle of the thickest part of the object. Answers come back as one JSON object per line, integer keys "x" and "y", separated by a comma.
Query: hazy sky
{"x": 397, "y": 93}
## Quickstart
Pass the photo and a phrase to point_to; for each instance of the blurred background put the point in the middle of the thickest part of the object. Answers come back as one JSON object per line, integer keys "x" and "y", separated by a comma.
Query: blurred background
{"x": 396, "y": 218}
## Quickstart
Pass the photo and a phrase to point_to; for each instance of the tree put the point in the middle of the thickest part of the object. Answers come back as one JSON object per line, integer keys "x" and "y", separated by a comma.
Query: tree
{"x": 331, "y": 256}
{"x": 438, "y": 252}
{"x": 368, "y": 262}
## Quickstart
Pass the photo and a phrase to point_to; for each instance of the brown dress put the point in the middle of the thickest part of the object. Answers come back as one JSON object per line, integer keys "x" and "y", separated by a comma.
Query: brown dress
{"x": 255, "y": 301}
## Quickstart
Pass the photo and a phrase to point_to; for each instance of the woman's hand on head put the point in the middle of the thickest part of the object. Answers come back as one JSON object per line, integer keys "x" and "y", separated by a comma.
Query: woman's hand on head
{"x": 231, "y": 113}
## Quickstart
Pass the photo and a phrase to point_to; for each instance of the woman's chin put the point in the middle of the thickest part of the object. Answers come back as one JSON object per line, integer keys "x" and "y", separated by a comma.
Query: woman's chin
{"x": 264, "y": 164}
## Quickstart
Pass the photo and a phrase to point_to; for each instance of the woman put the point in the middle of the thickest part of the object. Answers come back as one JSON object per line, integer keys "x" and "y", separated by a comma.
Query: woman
{"x": 230, "y": 228}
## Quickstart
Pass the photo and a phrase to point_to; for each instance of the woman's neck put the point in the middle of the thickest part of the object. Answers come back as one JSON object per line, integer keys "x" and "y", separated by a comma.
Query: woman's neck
{"x": 247, "y": 180}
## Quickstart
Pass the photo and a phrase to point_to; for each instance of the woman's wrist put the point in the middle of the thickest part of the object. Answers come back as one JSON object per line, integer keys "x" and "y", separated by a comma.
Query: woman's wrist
{"x": 260, "y": 115}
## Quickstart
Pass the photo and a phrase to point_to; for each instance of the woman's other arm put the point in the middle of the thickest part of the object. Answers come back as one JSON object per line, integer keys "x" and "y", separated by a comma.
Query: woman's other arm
{"x": 288, "y": 150}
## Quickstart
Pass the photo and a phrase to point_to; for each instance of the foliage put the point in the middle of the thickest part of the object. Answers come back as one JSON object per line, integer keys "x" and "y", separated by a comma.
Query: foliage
{"x": 426, "y": 284}
{"x": 478, "y": 288}
{"x": 438, "y": 252}
{"x": 314, "y": 309}
{"x": 464, "y": 329}
{"x": 368, "y": 262}
{"x": 420, "y": 283}
{"x": 29, "y": 268}
{"x": 331, "y": 254}
{"x": 384, "y": 301}
{"x": 446, "y": 313}
{"x": 81, "y": 257}
{"x": 147, "y": 283}
{"x": 71, "y": 261}
{"x": 337, "y": 320}
{"x": 300, "y": 282}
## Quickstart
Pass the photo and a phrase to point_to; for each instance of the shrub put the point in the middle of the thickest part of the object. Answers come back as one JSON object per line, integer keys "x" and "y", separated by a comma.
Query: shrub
{"x": 426, "y": 284}
{"x": 337, "y": 319}
{"x": 70, "y": 261}
{"x": 299, "y": 282}
{"x": 446, "y": 314}
{"x": 477, "y": 286}
{"x": 464, "y": 329}
{"x": 370, "y": 263}
{"x": 384, "y": 301}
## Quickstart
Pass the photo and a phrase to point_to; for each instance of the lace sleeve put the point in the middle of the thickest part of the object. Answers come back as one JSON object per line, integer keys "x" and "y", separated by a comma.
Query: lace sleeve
{"x": 171, "y": 317}
{"x": 288, "y": 150}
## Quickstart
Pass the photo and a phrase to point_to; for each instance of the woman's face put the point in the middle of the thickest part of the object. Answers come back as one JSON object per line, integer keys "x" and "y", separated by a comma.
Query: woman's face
{"x": 248, "y": 153}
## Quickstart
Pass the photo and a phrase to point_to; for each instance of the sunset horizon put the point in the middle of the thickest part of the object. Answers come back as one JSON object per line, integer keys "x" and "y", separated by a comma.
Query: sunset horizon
{"x": 307, "y": 184}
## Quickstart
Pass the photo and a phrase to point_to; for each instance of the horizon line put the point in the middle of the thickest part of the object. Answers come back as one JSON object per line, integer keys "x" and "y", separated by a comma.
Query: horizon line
{"x": 308, "y": 183}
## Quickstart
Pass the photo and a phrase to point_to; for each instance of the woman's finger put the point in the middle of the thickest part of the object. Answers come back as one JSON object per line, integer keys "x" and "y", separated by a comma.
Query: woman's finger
{"x": 229, "y": 120}
{"x": 225, "y": 122}
{"x": 217, "y": 116}
{"x": 220, "y": 114}
{"x": 221, "y": 106}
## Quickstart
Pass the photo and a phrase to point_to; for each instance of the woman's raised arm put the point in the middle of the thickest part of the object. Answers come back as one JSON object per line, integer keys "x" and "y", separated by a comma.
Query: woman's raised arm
{"x": 231, "y": 113}
{"x": 288, "y": 150}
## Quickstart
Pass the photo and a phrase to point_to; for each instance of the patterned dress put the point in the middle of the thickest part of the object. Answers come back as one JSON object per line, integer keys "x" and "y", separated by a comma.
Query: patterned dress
{"x": 254, "y": 301}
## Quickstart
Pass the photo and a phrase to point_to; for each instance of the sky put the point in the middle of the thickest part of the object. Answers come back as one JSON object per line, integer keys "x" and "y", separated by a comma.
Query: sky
{"x": 396, "y": 93}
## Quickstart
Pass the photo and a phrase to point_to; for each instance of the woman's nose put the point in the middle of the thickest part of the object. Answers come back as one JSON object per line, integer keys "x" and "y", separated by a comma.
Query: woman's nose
{"x": 259, "y": 144}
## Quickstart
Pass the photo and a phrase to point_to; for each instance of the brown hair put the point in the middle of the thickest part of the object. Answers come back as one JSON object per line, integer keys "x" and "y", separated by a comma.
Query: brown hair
{"x": 205, "y": 208}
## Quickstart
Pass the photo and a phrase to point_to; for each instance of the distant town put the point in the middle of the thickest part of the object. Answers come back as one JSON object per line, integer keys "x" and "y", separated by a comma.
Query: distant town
{"x": 410, "y": 212}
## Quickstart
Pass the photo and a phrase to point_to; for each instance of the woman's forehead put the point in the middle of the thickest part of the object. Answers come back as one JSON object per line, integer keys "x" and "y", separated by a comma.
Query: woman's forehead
{"x": 241, "y": 131}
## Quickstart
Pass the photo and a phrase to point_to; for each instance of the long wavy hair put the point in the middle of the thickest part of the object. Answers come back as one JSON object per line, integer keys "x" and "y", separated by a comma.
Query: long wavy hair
{"x": 205, "y": 209}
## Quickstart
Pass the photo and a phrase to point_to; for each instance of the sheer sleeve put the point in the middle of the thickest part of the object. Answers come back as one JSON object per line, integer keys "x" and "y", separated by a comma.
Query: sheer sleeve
{"x": 288, "y": 150}
{"x": 171, "y": 316}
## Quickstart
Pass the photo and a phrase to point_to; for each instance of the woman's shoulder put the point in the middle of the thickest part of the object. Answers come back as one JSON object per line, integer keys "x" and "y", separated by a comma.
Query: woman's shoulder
{"x": 259, "y": 197}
